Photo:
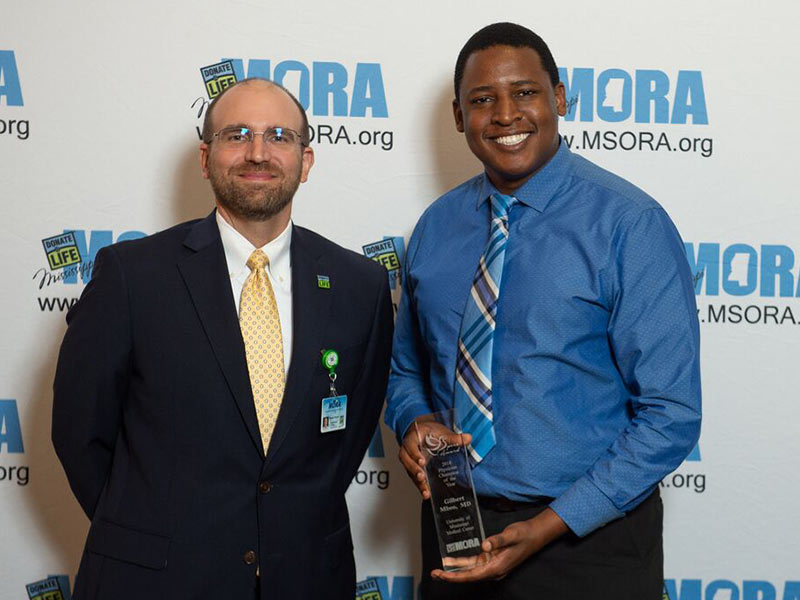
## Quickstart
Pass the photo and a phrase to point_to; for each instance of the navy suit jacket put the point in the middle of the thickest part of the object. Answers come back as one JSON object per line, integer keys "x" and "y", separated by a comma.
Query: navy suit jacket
{"x": 154, "y": 422}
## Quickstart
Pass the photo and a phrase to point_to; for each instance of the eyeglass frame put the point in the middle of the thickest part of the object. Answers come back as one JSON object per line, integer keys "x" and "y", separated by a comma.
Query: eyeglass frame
{"x": 303, "y": 143}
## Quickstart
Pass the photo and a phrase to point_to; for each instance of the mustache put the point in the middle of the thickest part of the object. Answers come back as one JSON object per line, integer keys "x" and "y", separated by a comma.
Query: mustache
{"x": 259, "y": 168}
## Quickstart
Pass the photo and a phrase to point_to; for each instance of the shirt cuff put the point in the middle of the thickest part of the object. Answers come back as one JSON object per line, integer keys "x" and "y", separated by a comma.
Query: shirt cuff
{"x": 405, "y": 418}
{"x": 584, "y": 508}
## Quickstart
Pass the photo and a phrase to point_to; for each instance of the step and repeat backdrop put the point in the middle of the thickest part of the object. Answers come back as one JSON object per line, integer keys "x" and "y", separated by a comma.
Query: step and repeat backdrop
{"x": 100, "y": 109}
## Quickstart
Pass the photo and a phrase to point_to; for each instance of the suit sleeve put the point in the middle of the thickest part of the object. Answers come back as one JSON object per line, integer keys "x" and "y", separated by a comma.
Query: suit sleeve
{"x": 91, "y": 380}
{"x": 370, "y": 387}
{"x": 654, "y": 335}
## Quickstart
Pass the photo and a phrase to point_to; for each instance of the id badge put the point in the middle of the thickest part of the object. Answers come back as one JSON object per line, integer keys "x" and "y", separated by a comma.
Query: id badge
{"x": 334, "y": 414}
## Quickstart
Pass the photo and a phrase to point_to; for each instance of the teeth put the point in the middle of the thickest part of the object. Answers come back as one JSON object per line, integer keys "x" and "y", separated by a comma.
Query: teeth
{"x": 510, "y": 140}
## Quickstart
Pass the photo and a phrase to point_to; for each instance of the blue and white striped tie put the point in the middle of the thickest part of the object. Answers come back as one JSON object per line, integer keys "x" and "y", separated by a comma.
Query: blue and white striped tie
{"x": 473, "y": 389}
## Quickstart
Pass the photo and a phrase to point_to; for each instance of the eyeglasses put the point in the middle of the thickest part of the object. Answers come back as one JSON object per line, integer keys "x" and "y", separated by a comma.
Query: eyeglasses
{"x": 277, "y": 137}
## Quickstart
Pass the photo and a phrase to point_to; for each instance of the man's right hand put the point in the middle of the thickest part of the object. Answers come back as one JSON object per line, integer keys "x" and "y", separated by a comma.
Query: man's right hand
{"x": 412, "y": 458}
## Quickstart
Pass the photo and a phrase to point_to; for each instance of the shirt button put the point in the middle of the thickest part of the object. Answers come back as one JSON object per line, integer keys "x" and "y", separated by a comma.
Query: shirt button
{"x": 264, "y": 487}
{"x": 249, "y": 557}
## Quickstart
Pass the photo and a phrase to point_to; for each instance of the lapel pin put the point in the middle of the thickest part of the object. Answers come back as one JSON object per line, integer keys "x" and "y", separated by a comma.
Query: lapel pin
{"x": 324, "y": 282}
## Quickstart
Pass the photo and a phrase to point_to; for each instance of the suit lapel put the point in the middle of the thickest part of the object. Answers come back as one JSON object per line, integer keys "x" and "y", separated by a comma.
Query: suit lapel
{"x": 311, "y": 307}
{"x": 205, "y": 273}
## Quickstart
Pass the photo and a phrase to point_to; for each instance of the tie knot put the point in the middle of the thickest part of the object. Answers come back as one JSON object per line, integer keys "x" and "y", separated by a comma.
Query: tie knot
{"x": 500, "y": 205}
{"x": 257, "y": 260}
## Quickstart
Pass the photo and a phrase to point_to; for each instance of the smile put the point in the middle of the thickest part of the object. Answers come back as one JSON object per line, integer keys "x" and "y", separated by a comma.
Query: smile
{"x": 257, "y": 176}
{"x": 510, "y": 140}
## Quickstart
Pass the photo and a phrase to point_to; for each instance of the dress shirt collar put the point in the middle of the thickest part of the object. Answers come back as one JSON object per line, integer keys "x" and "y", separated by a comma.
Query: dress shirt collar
{"x": 539, "y": 189}
{"x": 238, "y": 250}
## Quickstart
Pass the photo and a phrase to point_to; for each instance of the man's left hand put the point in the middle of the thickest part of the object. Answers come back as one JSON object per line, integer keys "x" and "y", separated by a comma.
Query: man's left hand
{"x": 510, "y": 547}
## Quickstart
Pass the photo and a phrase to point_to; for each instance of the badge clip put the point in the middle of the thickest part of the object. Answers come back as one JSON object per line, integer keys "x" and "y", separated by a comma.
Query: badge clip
{"x": 333, "y": 416}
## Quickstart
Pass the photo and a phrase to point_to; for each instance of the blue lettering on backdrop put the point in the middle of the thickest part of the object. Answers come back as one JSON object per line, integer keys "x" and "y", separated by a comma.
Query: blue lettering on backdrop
{"x": 607, "y": 108}
{"x": 98, "y": 239}
{"x": 9, "y": 79}
{"x": 777, "y": 262}
{"x": 303, "y": 86}
{"x": 690, "y": 98}
{"x": 329, "y": 80}
{"x": 692, "y": 589}
{"x": 722, "y": 584}
{"x": 651, "y": 90}
{"x": 402, "y": 587}
{"x": 368, "y": 92}
{"x": 375, "y": 449}
{"x": 791, "y": 591}
{"x": 741, "y": 272}
{"x": 581, "y": 88}
{"x": 10, "y": 430}
{"x": 741, "y": 285}
{"x": 758, "y": 590}
{"x": 644, "y": 95}
{"x": 694, "y": 455}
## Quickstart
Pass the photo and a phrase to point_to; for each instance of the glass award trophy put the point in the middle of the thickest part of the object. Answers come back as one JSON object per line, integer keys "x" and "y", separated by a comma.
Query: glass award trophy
{"x": 453, "y": 500}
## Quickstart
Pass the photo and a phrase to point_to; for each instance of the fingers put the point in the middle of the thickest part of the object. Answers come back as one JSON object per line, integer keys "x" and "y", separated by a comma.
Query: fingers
{"x": 490, "y": 570}
{"x": 505, "y": 550}
{"x": 508, "y": 537}
{"x": 412, "y": 458}
{"x": 415, "y": 471}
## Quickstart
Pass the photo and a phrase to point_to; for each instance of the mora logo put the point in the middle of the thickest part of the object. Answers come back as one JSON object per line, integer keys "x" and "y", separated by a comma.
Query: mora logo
{"x": 613, "y": 95}
{"x": 742, "y": 269}
{"x": 10, "y": 88}
{"x": 325, "y": 86}
{"x": 10, "y": 430}
{"x": 724, "y": 589}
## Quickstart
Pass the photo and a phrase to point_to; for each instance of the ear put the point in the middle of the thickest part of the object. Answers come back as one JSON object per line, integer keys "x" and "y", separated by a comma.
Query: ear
{"x": 459, "y": 116}
{"x": 204, "y": 150}
{"x": 561, "y": 99}
{"x": 308, "y": 162}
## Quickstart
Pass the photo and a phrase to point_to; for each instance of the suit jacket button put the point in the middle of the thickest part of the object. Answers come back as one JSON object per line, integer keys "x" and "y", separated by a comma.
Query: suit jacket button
{"x": 264, "y": 487}
{"x": 249, "y": 557}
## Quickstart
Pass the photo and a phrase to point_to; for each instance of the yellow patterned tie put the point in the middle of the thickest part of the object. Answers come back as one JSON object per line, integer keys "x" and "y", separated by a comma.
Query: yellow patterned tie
{"x": 261, "y": 331}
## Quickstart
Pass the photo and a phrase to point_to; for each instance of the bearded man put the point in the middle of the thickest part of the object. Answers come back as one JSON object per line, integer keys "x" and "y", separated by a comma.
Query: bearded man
{"x": 193, "y": 412}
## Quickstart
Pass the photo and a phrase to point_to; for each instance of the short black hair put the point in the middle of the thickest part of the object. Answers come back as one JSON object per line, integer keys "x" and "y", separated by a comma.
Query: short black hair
{"x": 208, "y": 133}
{"x": 505, "y": 34}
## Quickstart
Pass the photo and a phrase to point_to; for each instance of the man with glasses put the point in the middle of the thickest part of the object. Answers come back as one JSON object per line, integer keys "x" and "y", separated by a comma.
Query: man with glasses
{"x": 219, "y": 383}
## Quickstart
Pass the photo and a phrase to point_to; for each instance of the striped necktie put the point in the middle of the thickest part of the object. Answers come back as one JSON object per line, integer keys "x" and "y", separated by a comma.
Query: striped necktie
{"x": 263, "y": 344}
{"x": 473, "y": 389}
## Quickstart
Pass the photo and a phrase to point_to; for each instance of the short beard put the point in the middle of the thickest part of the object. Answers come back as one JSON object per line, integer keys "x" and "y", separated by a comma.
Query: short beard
{"x": 255, "y": 204}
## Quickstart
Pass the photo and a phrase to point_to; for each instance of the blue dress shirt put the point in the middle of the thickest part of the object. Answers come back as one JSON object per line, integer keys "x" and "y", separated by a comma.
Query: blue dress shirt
{"x": 596, "y": 378}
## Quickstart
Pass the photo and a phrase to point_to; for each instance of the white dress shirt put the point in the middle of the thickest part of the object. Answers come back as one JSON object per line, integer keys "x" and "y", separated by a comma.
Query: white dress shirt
{"x": 238, "y": 249}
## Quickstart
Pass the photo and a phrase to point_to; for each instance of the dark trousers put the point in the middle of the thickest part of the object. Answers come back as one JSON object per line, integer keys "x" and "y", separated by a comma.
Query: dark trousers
{"x": 621, "y": 561}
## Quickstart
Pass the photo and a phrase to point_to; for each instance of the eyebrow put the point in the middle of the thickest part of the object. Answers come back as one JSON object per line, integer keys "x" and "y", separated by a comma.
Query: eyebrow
{"x": 488, "y": 88}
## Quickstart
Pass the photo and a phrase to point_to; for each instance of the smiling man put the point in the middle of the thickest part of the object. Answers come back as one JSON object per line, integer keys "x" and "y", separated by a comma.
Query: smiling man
{"x": 550, "y": 303}
{"x": 193, "y": 413}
